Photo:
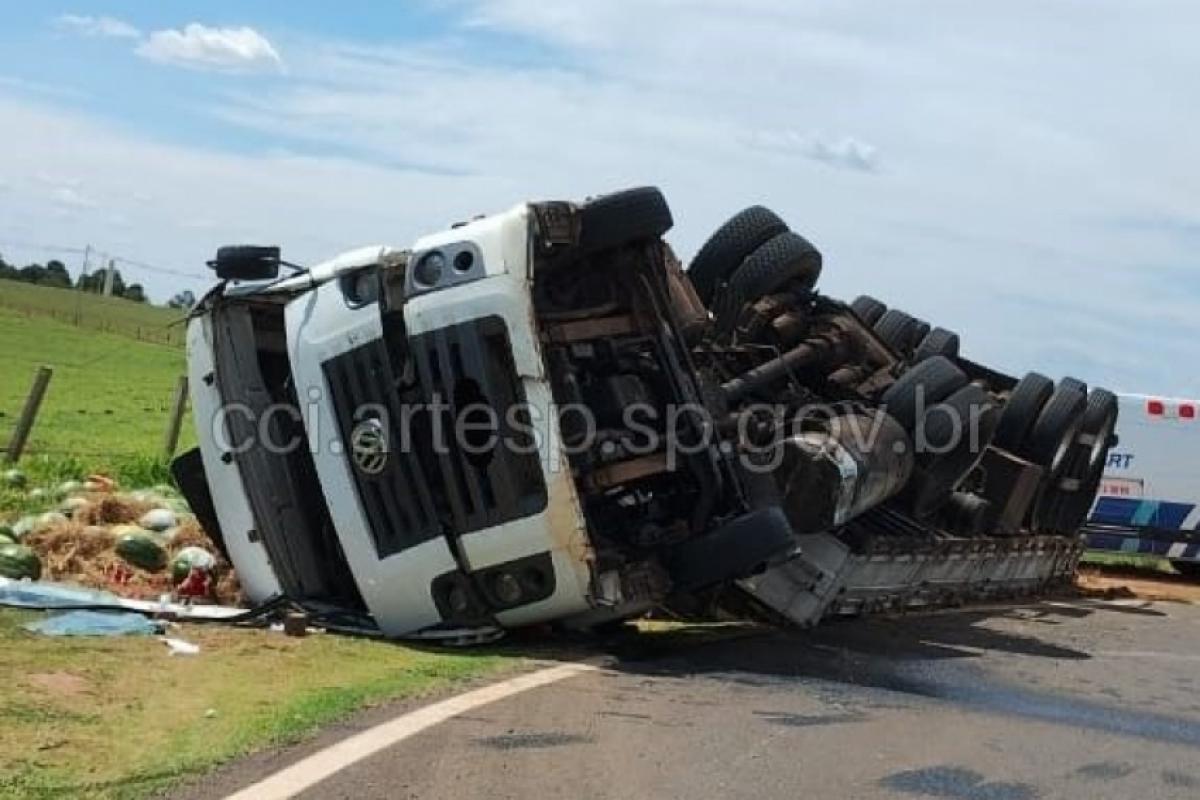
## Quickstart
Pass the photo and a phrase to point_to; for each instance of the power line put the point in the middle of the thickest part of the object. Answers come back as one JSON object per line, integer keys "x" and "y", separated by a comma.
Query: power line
{"x": 67, "y": 249}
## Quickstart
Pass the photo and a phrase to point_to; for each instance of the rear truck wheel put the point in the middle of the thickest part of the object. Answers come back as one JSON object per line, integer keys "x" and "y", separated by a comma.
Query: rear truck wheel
{"x": 1053, "y": 434}
{"x": 725, "y": 250}
{"x": 1066, "y": 501}
{"x": 1099, "y": 425}
{"x": 1188, "y": 569}
{"x": 949, "y": 442}
{"x": 938, "y": 342}
{"x": 920, "y": 387}
{"x": 621, "y": 218}
{"x": 737, "y": 549}
{"x": 1021, "y": 411}
{"x": 786, "y": 258}
{"x": 902, "y": 332}
{"x": 868, "y": 309}
{"x": 1074, "y": 383}
{"x": 1064, "y": 508}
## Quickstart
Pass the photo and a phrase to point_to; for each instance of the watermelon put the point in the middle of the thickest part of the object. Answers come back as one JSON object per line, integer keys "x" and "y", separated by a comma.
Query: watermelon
{"x": 50, "y": 519}
{"x": 22, "y": 527}
{"x": 142, "y": 550}
{"x": 69, "y": 487}
{"x": 158, "y": 519}
{"x": 38, "y": 495}
{"x": 190, "y": 558}
{"x": 13, "y": 478}
{"x": 18, "y": 561}
{"x": 7, "y": 536}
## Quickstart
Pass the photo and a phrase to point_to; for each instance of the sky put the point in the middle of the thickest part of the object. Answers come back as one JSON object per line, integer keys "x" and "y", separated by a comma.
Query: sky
{"x": 1023, "y": 172}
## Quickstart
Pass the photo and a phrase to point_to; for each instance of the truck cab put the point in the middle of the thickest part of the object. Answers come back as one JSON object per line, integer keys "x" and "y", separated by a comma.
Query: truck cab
{"x": 387, "y": 430}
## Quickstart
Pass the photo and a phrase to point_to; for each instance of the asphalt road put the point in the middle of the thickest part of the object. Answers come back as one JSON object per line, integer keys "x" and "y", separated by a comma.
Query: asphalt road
{"x": 1072, "y": 699}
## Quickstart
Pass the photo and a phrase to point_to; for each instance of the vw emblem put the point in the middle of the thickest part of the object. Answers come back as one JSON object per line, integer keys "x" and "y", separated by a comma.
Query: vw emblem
{"x": 369, "y": 446}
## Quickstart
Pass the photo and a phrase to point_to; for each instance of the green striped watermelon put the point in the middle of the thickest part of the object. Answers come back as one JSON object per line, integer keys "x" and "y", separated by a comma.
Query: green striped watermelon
{"x": 18, "y": 561}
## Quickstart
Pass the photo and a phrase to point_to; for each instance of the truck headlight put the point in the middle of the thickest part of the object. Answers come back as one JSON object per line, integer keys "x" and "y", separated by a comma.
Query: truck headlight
{"x": 429, "y": 270}
{"x": 507, "y": 588}
{"x": 444, "y": 266}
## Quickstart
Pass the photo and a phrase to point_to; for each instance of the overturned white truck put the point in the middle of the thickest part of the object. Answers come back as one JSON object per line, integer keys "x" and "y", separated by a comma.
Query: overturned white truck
{"x": 539, "y": 416}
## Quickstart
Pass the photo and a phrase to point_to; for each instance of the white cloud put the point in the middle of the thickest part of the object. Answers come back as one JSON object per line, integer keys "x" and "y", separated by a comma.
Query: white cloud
{"x": 71, "y": 198}
{"x": 106, "y": 27}
{"x": 844, "y": 153}
{"x": 201, "y": 47}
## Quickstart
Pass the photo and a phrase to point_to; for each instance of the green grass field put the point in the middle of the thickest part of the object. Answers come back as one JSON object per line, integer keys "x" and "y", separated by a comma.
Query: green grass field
{"x": 109, "y": 396}
{"x": 139, "y": 321}
{"x": 107, "y": 405}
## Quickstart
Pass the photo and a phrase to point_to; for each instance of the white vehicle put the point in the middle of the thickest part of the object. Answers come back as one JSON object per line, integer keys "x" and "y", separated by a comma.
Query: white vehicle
{"x": 390, "y": 434}
{"x": 1149, "y": 498}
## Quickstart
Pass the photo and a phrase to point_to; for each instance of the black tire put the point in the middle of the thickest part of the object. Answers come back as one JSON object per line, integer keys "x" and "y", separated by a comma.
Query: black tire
{"x": 1188, "y": 569}
{"x": 725, "y": 250}
{"x": 786, "y": 258}
{"x": 923, "y": 385}
{"x": 621, "y": 218}
{"x": 902, "y": 332}
{"x": 868, "y": 309}
{"x": 1074, "y": 383}
{"x": 737, "y": 549}
{"x": 1053, "y": 435}
{"x": 1098, "y": 426}
{"x": 1063, "y": 511}
{"x": 938, "y": 342}
{"x": 950, "y": 442}
{"x": 1021, "y": 411}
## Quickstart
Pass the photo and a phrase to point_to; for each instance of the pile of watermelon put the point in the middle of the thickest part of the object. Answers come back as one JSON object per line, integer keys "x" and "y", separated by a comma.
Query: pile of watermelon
{"x": 141, "y": 543}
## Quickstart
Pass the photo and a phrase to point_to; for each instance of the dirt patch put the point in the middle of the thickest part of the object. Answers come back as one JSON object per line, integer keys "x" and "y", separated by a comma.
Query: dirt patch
{"x": 1120, "y": 583}
{"x": 59, "y": 684}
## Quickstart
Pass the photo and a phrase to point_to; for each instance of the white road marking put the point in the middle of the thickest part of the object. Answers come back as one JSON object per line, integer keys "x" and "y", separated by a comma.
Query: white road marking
{"x": 309, "y": 771}
{"x": 1149, "y": 654}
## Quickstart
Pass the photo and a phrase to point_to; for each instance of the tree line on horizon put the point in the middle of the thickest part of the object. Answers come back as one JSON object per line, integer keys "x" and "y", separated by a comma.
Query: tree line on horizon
{"x": 54, "y": 273}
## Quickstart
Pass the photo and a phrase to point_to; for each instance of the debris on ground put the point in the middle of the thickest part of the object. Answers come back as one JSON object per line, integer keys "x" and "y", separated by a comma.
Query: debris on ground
{"x": 179, "y": 647}
{"x": 1111, "y": 583}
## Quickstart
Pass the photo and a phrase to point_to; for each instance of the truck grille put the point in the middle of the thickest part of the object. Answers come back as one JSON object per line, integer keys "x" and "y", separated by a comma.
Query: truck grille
{"x": 470, "y": 366}
{"x": 436, "y": 483}
{"x": 397, "y": 502}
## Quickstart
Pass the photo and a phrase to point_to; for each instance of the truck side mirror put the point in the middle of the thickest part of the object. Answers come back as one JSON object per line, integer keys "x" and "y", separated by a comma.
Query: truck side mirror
{"x": 246, "y": 262}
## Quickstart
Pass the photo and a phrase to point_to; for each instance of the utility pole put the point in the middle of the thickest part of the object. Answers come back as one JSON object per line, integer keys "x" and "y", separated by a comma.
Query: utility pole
{"x": 87, "y": 253}
{"x": 108, "y": 278}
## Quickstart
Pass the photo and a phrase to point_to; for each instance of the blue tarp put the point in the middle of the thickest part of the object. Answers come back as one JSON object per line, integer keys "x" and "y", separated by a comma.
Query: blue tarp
{"x": 38, "y": 594}
{"x": 94, "y": 623}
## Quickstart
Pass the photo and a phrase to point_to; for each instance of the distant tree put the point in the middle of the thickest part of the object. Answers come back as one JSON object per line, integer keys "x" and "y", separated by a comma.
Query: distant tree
{"x": 95, "y": 282}
{"x": 135, "y": 293}
{"x": 32, "y": 273}
{"x": 184, "y": 300}
{"x": 56, "y": 275}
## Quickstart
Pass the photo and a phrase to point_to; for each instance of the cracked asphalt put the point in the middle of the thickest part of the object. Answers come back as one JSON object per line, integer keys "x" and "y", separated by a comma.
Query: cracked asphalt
{"x": 1072, "y": 699}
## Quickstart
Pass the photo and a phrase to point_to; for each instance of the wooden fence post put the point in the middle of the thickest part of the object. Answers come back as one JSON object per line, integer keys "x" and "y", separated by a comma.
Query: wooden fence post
{"x": 29, "y": 414}
{"x": 178, "y": 406}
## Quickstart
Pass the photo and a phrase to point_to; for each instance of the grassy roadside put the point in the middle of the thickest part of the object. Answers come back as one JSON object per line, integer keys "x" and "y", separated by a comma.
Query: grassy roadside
{"x": 120, "y": 718}
{"x": 1136, "y": 561}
